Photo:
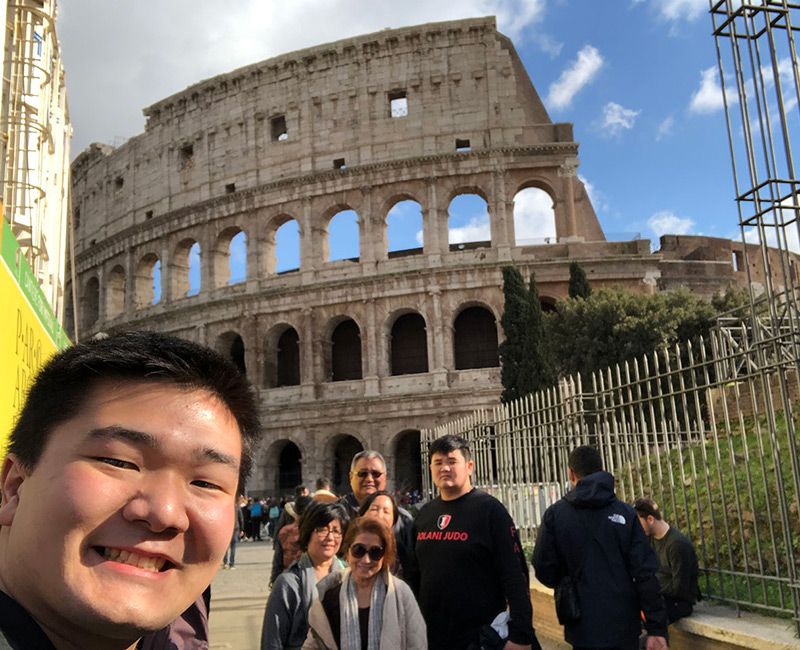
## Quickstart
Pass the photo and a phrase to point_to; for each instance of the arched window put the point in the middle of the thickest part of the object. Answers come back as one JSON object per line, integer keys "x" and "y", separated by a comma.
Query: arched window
{"x": 404, "y": 233}
{"x": 229, "y": 257}
{"x": 343, "y": 242}
{"x": 115, "y": 292}
{"x": 409, "y": 345}
{"x": 237, "y": 258}
{"x": 287, "y": 247}
{"x": 290, "y": 473}
{"x": 91, "y": 302}
{"x": 186, "y": 269}
{"x": 342, "y": 448}
{"x": 534, "y": 217}
{"x": 231, "y": 345}
{"x": 289, "y": 358}
{"x": 148, "y": 281}
{"x": 408, "y": 461}
{"x": 346, "y": 351}
{"x": 468, "y": 222}
{"x": 475, "y": 339}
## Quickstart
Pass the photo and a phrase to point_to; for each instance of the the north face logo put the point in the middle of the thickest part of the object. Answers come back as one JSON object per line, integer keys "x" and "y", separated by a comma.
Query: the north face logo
{"x": 443, "y": 521}
{"x": 617, "y": 519}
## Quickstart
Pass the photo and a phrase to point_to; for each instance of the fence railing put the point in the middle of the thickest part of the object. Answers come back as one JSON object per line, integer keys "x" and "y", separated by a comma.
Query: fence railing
{"x": 707, "y": 430}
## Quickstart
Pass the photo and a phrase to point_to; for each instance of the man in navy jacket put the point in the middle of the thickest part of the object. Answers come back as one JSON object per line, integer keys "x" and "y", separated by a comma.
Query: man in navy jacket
{"x": 591, "y": 534}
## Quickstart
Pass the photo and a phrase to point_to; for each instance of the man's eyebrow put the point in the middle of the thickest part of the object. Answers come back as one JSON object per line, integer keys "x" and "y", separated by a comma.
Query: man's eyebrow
{"x": 209, "y": 454}
{"x": 127, "y": 435}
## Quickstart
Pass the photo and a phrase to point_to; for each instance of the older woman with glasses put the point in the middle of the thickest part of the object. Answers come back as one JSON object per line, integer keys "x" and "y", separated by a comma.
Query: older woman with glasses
{"x": 365, "y": 607}
{"x": 285, "y": 626}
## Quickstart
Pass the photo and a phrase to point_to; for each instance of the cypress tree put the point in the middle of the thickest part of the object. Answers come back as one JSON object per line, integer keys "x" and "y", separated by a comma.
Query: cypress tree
{"x": 578, "y": 284}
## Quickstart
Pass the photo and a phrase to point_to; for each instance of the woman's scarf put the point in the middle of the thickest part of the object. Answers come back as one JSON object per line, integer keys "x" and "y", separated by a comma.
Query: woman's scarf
{"x": 348, "y": 606}
{"x": 308, "y": 578}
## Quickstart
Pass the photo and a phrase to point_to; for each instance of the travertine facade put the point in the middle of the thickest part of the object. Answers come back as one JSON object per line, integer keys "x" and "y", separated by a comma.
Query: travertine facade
{"x": 361, "y": 352}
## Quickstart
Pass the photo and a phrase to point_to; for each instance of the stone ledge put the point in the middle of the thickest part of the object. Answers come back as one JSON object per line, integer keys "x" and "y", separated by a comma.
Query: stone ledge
{"x": 710, "y": 627}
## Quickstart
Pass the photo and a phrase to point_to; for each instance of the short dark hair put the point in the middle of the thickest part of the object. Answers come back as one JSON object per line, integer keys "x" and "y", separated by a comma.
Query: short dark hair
{"x": 299, "y": 490}
{"x": 450, "y": 442}
{"x": 371, "y": 497}
{"x": 64, "y": 384}
{"x": 317, "y": 515}
{"x": 646, "y": 507}
{"x": 300, "y": 505}
{"x": 376, "y": 527}
{"x": 585, "y": 460}
{"x": 323, "y": 484}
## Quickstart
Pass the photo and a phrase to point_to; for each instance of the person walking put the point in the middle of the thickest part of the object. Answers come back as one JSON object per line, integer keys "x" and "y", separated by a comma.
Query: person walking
{"x": 229, "y": 561}
{"x": 591, "y": 545}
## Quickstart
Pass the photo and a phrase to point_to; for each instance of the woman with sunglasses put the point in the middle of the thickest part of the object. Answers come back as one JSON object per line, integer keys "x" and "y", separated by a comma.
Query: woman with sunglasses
{"x": 365, "y": 607}
{"x": 286, "y": 618}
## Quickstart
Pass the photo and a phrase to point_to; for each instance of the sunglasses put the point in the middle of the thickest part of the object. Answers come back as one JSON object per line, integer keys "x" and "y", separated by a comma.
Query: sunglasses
{"x": 374, "y": 473}
{"x": 359, "y": 550}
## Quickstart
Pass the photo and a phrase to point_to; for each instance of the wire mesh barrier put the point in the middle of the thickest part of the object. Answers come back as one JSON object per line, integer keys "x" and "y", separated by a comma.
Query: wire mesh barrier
{"x": 700, "y": 428}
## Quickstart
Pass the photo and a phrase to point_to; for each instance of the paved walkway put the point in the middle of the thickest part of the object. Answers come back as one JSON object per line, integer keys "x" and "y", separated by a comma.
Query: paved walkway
{"x": 239, "y": 596}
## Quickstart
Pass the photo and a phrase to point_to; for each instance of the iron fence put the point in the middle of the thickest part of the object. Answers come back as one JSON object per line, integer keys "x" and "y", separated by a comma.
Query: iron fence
{"x": 700, "y": 428}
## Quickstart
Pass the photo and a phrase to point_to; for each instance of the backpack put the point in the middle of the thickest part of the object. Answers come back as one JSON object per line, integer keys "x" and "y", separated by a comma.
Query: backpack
{"x": 289, "y": 538}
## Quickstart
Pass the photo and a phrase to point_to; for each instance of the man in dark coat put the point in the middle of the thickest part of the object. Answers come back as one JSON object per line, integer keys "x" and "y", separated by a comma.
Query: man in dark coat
{"x": 596, "y": 539}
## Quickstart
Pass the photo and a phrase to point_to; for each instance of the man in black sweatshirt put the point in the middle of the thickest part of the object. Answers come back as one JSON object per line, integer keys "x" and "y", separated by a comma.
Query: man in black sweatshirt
{"x": 470, "y": 558}
{"x": 595, "y": 538}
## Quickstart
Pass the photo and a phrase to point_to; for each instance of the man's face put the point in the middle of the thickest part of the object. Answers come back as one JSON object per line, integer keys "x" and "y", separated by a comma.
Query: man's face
{"x": 647, "y": 524}
{"x": 451, "y": 473}
{"x": 125, "y": 518}
{"x": 368, "y": 476}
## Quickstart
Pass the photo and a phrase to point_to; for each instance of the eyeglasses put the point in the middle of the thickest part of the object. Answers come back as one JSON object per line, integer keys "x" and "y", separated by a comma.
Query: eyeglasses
{"x": 323, "y": 531}
{"x": 359, "y": 550}
{"x": 374, "y": 473}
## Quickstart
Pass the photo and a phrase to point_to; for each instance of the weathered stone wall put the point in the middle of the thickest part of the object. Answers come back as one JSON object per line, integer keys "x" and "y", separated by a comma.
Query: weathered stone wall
{"x": 213, "y": 162}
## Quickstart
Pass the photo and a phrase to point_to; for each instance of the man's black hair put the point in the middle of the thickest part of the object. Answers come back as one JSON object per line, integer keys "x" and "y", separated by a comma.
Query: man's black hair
{"x": 585, "y": 460}
{"x": 65, "y": 382}
{"x": 323, "y": 484}
{"x": 450, "y": 442}
{"x": 318, "y": 515}
{"x": 646, "y": 507}
{"x": 299, "y": 490}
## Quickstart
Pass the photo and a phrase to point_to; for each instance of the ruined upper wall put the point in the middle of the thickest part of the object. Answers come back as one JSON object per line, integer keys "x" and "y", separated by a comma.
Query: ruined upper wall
{"x": 462, "y": 80}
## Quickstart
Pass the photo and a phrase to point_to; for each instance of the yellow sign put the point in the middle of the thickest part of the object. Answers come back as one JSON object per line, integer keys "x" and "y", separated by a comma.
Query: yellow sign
{"x": 29, "y": 332}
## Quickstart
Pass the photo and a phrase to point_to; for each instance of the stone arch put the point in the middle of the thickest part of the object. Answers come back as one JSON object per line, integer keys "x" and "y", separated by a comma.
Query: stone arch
{"x": 342, "y": 236}
{"x": 231, "y": 345}
{"x": 534, "y": 214}
{"x": 91, "y": 302}
{"x": 226, "y": 261}
{"x": 115, "y": 292}
{"x": 475, "y": 338}
{"x": 548, "y": 304}
{"x": 283, "y": 241}
{"x": 340, "y": 449}
{"x": 185, "y": 268}
{"x": 408, "y": 344}
{"x": 403, "y": 227}
{"x": 283, "y": 466}
{"x": 148, "y": 281}
{"x": 345, "y": 350}
{"x": 407, "y": 452}
{"x": 468, "y": 221}
{"x": 282, "y": 356}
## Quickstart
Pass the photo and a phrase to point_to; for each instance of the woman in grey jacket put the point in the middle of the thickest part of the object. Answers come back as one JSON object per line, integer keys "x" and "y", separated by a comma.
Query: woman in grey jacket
{"x": 286, "y": 617}
{"x": 365, "y": 606}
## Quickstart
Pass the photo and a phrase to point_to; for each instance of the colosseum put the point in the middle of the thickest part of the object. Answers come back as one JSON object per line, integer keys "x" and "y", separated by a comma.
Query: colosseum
{"x": 364, "y": 351}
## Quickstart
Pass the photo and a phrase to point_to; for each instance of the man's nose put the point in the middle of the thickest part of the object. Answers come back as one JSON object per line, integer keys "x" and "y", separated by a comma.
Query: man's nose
{"x": 160, "y": 502}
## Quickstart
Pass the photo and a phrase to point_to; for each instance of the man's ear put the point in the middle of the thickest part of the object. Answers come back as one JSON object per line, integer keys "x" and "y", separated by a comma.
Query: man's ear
{"x": 12, "y": 477}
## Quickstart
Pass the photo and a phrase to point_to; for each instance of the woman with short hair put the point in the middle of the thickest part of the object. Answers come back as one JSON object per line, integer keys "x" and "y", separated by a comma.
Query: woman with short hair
{"x": 365, "y": 607}
{"x": 322, "y": 527}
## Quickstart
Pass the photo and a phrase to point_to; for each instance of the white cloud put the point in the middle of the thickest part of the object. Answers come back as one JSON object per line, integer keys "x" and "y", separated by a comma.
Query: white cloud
{"x": 476, "y": 229}
{"x": 579, "y": 73}
{"x": 708, "y": 98}
{"x": 100, "y": 39}
{"x": 675, "y": 10}
{"x": 666, "y": 222}
{"x": 617, "y": 118}
{"x": 664, "y": 128}
{"x": 534, "y": 219}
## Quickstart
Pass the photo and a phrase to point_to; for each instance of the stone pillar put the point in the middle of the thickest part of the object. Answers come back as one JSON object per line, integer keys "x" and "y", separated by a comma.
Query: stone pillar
{"x": 371, "y": 350}
{"x": 258, "y": 246}
{"x": 567, "y": 172}
{"x": 309, "y": 366}
{"x": 207, "y": 259}
{"x": 434, "y": 231}
{"x": 166, "y": 274}
{"x": 502, "y": 224}
{"x": 369, "y": 234}
{"x": 130, "y": 286}
{"x": 254, "y": 349}
{"x": 311, "y": 242}
{"x": 436, "y": 351}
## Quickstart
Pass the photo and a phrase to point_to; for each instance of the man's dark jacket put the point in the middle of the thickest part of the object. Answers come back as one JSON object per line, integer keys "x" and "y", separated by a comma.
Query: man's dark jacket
{"x": 618, "y": 578}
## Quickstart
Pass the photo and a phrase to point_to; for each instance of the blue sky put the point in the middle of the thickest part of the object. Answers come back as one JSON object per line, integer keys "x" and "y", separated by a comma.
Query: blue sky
{"x": 637, "y": 78}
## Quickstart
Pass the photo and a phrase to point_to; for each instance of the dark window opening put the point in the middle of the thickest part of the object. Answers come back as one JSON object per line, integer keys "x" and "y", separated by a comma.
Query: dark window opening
{"x": 76, "y": 217}
{"x": 289, "y": 468}
{"x": 148, "y": 214}
{"x": 289, "y": 358}
{"x": 346, "y": 352}
{"x": 409, "y": 345}
{"x": 462, "y": 145}
{"x": 338, "y": 163}
{"x": 398, "y": 103}
{"x": 186, "y": 155}
{"x": 346, "y": 447}
{"x": 231, "y": 346}
{"x": 408, "y": 462}
{"x": 230, "y": 188}
{"x": 278, "y": 128}
{"x": 475, "y": 339}
{"x": 119, "y": 182}
{"x": 738, "y": 261}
